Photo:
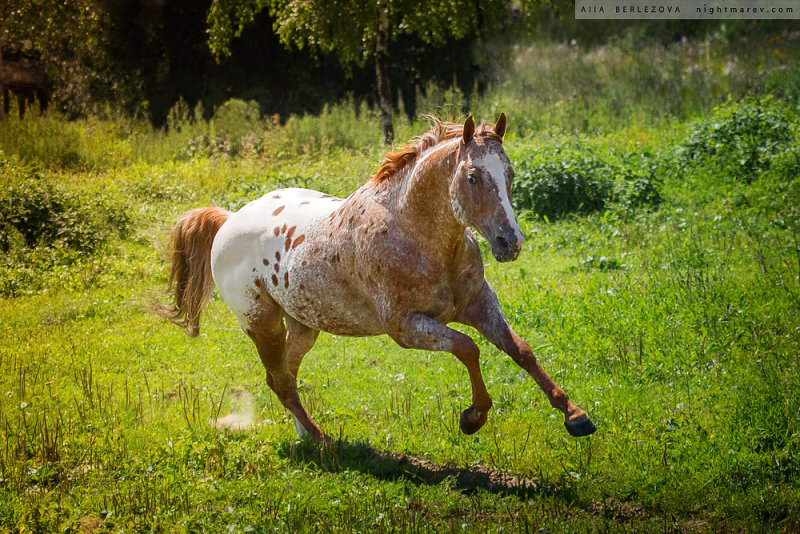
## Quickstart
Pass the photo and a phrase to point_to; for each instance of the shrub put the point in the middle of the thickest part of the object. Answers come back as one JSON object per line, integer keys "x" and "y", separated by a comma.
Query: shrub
{"x": 35, "y": 212}
{"x": 739, "y": 139}
{"x": 569, "y": 178}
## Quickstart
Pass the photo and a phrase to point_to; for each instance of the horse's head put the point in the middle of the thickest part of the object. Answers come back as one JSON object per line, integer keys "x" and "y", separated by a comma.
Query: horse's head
{"x": 480, "y": 192}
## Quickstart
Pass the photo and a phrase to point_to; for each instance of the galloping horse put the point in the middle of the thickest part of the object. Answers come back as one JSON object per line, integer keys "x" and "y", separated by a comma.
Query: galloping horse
{"x": 396, "y": 257}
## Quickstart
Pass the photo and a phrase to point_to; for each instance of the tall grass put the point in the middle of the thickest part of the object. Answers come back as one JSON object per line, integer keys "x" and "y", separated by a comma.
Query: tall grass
{"x": 545, "y": 86}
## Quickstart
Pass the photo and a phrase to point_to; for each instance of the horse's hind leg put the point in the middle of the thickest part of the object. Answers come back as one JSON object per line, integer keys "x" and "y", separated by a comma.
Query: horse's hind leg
{"x": 487, "y": 316}
{"x": 299, "y": 340}
{"x": 268, "y": 333}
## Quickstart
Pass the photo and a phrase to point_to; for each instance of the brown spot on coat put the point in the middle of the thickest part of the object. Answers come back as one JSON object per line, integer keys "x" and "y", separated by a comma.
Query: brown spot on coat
{"x": 276, "y": 231}
{"x": 277, "y": 211}
{"x": 274, "y": 280}
{"x": 291, "y": 231}
{"x": 288, "y": 243}
{"x": 266, "y": 261}
{"x": 283, "y": 229}
{"x": 286, "y": 280}
{"x": 277, "y": 267}
{"x": 277, "y": 256}
{"x": 299, "y": 240}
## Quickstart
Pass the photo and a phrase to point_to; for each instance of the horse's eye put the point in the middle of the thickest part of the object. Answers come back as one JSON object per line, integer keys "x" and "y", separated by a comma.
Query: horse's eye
{"x": 472, "y": 179}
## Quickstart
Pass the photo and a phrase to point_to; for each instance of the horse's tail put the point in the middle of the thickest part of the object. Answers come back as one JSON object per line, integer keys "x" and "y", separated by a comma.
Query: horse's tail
{"x": 190, "y": 280}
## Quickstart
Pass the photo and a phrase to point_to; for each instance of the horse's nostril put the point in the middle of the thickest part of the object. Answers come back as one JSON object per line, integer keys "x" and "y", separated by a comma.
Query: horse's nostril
{"x": 501, "y": 241}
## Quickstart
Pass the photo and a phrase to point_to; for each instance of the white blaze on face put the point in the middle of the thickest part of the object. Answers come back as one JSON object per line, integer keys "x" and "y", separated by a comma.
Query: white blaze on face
{"x": 495, "y": 167}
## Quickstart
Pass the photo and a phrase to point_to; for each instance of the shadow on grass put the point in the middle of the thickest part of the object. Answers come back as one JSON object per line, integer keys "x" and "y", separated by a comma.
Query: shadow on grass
{"x": 342, "y": 455}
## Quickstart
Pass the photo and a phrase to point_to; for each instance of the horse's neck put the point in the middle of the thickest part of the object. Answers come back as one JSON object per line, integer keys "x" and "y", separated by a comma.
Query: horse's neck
{"x": 423, "y": 198}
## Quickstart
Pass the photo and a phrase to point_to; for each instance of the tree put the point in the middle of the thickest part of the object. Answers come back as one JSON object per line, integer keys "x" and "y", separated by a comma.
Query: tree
{"x": 70, "y": 40}
{"x": 356, "y": 31}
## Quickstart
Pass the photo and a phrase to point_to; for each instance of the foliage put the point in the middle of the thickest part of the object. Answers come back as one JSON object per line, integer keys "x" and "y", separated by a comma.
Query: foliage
{"x": 236, "y": 120}
{"x": 336, "y": 128}
{"x": 47, "y": 230}
{"x": 357, "y": 31}
{"x": 43, "y": 213}
{"x": 49, "y": 140}
{"x": 347, "y": 29}
{"x": 563, "y": 177}
{"x": 72, "y": 40}
{"x": 740, "y": 138}
{"x": 568, "y": 85}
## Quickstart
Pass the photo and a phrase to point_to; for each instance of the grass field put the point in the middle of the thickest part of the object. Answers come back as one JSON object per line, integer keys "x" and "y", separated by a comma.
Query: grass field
{"x": 666, "y": 304}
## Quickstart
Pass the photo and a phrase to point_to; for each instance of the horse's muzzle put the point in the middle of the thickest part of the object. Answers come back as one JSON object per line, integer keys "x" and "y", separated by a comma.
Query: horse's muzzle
{"x": 507, "y": 243}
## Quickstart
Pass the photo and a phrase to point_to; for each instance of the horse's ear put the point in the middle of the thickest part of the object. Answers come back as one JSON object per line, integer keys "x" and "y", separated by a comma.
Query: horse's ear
{"x": 469, "y": 130}
{"x": 500, "y": 125}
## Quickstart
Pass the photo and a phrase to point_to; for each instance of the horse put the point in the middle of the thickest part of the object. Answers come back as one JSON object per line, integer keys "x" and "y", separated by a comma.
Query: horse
{"x": 396, "y": 257}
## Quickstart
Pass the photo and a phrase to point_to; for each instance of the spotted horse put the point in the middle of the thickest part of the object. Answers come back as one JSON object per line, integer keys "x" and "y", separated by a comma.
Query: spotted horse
{"x": 396, "y": 257}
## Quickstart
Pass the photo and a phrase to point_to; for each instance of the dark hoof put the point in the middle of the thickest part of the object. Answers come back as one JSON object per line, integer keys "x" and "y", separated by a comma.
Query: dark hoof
{"x": 471, "y": 420}
{"x": 580, "y": 427}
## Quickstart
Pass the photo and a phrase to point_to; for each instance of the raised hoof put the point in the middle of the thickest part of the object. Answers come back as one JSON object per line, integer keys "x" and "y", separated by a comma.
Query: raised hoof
{"x": 580, "y": 427}
{"x": 471, "y": 420}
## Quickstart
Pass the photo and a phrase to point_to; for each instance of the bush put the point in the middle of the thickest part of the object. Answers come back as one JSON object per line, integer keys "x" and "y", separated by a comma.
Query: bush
{"x": 739, "y": 139}
{"x": 569, "y": 178}
{"x": 37, "y": 213}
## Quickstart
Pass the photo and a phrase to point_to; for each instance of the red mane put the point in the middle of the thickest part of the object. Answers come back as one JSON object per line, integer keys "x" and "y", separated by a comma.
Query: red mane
{"x": 394, "y": 162}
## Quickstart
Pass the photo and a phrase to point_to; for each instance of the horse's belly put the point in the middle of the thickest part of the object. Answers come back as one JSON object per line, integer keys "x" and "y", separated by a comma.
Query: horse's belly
{"x": 322, "y": 298}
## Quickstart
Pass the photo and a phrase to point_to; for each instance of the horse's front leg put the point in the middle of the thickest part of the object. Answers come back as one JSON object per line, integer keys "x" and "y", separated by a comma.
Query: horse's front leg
{"x": 418, "y": 331}
{"x": 486, "y": 315}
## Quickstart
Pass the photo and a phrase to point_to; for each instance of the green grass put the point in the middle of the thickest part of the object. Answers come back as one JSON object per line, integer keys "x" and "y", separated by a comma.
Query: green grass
{"x": 674, "y": 325}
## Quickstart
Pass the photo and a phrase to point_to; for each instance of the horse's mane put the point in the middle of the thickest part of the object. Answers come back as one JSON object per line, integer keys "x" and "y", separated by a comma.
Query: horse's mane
{"x": 394, "y": 162}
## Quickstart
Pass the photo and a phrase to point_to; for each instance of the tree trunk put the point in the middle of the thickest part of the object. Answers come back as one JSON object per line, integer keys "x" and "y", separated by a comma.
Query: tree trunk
{"x": 382, "y": 74}
{"x": 2, "y": 85}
